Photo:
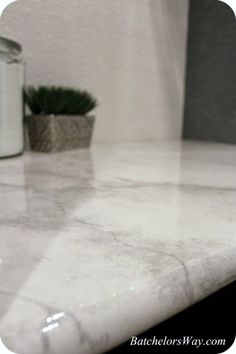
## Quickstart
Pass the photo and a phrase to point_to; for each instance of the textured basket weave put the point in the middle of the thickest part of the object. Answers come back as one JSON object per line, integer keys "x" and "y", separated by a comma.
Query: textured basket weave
{"x": 59, "y": 133}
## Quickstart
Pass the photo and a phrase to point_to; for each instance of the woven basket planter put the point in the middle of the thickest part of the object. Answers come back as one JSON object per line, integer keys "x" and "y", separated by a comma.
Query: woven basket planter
{"x": 59, "y": 133}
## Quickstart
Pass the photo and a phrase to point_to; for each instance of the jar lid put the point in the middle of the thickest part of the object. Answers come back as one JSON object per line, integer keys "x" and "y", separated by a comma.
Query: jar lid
{"x": 9, "y": 49}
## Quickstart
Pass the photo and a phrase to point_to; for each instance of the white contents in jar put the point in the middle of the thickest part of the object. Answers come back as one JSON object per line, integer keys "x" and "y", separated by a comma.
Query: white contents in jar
{"x": 11, "y": 108}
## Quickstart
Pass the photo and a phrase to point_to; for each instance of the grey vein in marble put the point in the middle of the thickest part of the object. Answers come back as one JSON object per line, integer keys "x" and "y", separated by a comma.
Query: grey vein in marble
{"x": 96, "y": 246}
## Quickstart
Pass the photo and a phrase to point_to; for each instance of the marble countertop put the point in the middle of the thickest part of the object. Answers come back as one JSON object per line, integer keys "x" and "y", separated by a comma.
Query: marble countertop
{"x": 96, "y": 246}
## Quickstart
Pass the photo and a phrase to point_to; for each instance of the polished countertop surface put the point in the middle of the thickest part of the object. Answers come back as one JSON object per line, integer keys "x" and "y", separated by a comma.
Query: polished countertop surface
{"x": 99, "y": 245}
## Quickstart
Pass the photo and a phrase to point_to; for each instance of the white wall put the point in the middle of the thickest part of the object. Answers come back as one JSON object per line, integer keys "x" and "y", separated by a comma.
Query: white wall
{"x": 129, "y": 53}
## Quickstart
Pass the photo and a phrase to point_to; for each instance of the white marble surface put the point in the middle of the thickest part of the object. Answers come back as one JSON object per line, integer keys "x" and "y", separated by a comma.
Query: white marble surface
{"x": 98, "y": 246}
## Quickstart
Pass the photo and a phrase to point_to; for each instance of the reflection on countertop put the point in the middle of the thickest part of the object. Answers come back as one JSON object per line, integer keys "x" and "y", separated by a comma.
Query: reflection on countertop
{"x": 96, "y": 246}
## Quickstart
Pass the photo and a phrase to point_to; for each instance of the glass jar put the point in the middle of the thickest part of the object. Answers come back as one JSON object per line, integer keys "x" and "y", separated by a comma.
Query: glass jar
{"x": 11, "y": 99}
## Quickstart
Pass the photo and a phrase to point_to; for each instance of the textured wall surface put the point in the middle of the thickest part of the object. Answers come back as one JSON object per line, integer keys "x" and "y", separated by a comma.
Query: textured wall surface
{"x": 210, "y": 112}
{"x": 130, "y": 54}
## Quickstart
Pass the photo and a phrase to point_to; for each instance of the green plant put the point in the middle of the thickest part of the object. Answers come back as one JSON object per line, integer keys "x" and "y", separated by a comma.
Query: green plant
{"x": 47, "y": 100}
